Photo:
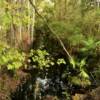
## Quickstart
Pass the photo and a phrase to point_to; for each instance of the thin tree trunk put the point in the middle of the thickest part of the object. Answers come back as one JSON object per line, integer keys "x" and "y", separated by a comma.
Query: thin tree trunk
{"x": 33, "y": 23}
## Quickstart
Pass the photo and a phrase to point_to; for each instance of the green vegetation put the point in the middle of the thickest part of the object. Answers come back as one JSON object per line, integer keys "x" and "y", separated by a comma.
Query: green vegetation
{"x": 57, "y": 39}
{"x": 10, "y": 58}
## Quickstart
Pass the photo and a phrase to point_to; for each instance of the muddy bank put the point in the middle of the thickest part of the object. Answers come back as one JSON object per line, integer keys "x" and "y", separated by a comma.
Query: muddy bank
{"x": 13, "y": 85}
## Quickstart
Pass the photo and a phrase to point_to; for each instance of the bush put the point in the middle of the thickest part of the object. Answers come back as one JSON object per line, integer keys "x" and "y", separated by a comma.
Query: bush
{"x": 42, "y": 59}
{"x": 10, "y": 57}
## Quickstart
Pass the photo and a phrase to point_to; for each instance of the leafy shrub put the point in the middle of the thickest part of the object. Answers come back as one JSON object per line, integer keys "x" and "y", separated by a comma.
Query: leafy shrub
{"x": 90, "y": 44}
{"x": 59, "y": 27}
{"x": 65, "y": 29}
{"x": 76, "y": 39}
{"x": 42, "y": 59}
{"x": 10, "y": 58}
{"x": 81, "y": 77}
{"x": 80, "y": 82}
{"x": 91, "y": 23}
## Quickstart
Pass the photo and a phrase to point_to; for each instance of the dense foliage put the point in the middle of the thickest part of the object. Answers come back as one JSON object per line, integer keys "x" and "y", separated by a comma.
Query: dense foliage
{"x": 10, "y": 58}
{"x": 34, "y": 36}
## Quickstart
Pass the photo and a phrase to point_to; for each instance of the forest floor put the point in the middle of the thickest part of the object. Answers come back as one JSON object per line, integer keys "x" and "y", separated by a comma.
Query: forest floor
{"x": 11, "y": 86}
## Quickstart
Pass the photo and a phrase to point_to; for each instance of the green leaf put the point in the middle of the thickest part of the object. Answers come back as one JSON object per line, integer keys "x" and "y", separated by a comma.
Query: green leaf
{"x": 72, "y": 61}
{"x": 83, "y": 62}
{"x": 80, "y": 81}
{"x": 83, "y": 74}
{"x": 61, "y": 61}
